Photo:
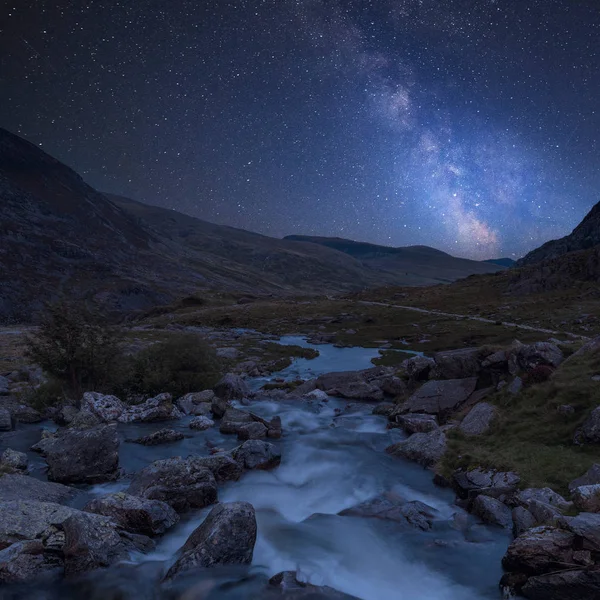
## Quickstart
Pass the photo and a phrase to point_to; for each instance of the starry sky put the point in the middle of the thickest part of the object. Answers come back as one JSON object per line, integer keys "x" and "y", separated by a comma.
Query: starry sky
{"x": 469, "y": 125}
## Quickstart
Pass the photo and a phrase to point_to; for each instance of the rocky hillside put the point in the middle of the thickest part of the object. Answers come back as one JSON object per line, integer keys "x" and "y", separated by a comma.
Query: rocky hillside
{"x": 586, "y": 235}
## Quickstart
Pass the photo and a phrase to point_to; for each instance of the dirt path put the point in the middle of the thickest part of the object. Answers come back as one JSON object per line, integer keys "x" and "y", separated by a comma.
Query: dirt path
{"x": 480, "y": 319}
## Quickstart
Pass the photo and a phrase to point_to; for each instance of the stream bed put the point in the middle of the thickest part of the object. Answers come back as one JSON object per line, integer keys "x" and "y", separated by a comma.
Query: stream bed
{"x": 331, "y": 460}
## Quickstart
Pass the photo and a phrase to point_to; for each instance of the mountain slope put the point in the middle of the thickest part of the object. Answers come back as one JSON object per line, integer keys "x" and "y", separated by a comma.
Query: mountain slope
{"x": 586, "y": 235}
{"x": 410, "y": 265}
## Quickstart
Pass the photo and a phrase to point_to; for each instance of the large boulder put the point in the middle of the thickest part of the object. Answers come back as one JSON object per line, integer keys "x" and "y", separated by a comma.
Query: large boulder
{"x": 226, "y": 537}
{"x": 197, "y": 404}
{"x": 426, "y": 449}
{"x": 418, "y": 367}
{"x": 25, "y": 561}
{"x": 415, "y": 422}
{"x": 201, "y": 423}
{"x": 65, "y": 415}
{"x": 574, "y": 584}
{"x": 492, "y": 511}
{"x": 252, "y": 431}
{"x": 219, "y": 407}
{"x": 590, "y": 477}
{"x": 6, "y": 421}
{"x": 84, "y": 419}
{"x": 528, "y": 356}
{"x": 135, "y": 514}
{"x": 589, "y": 432}
{"x": 13, "y": 460}
{"x": 471, "y": 483}
{"x": 440, "y": 397}
{"x": 232, "y": 387}
{"x": 222, "y": 465}
{"x": 542, "y": 495}
{"x": 256, "y": 454}
{"x": 586, "y": 526}
{"x": 456, "y": 364}
{"x": 181, "y": 483}
{"x": 479, "y": 419}
{"x": 522, "y": 520}
{"x": 83, "y": 455}
{"x": 351, "y": 385}
{"x": 159, "y": 408}
{"x": 22, "y": 487}
{"x": 107, "y": 408}
{"x": 234, "y": 419}
{"x": 587, "y": 498}
{"x": 162, "y": 436}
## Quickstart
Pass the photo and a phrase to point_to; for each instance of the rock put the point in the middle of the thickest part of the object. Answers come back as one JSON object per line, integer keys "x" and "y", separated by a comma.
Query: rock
{"x": 416, "y": 422}
{"x": 470, "y": 484}
{"x": 492, "y": 511}
{"x": 440, "y": 397}
{"x": 274, "y": 429}
{"x": 219, "y": 407}
{"x": 540, "y": 550}
{"x": 424, "y": 448}
{"x": 566, "y": 585}
{"x": 83, "y": 456}
{"x": 566, "y": 410}
{"x": 65, "y": 415}
{"x": 317, "y": 395}
{"x": 287, "y": 585}
{"x": 384, "y": 409}
{"x": 456, "y": 364}
{"x": 181, "y": 483}
{"x": 589, "y": 432}
{"x": 234, "y": 419}
{"x": 496, "y": 359}
{"x": 515, "y": 386}
{"x": 4, "y": 386}
{"x": 232, "y": 387}
{"x": 418, "y": 367}
{"x": 591, "y": 476}
{"x": 14, "y": 460}
{"x": 22, "y": 487}
{"x": 529, "y": 356}
{"x": 479, "y": 419}
{"x": 252, "y": 431}
{"x": 25, "y": 561}
{"x": 6, "y": 422}
{"x": 198, "y": 404}
{"x": 84, "y": 419}
{"x": 226, "y": 537}
{"x": 392, "y": 386}
{"x": 162, "y": 436}
{"x": 107, "y": 408}
{"x": 587, "y": 527}
{"x": 256, "y": 454}
{"x": 304, "y": 388}
{"x": 349, "y": 384}
{"x": 201, "y": 423}
{"x": 222, "y": 465}
{"x": 543, "y": 513}
{"x": 587, "y": 498}
{"x": 159, "y": 408}
{"x": 394, "y": 508}
{"x": 228, "y": 353}
{"x": 23, "y": 413}
{"x": 545, "y": 495}
{"x": 522, "y": 520}
{"x": 135, "y": 514}
{"x": 93, "y": 541}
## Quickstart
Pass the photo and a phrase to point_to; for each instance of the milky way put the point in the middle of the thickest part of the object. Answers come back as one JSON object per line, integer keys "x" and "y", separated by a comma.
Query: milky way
{"x": 471, "y": 126}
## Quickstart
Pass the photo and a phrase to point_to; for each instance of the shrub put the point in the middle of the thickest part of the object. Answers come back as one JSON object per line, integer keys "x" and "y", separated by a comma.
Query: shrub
{"x": 76, "y": 349}
{"x": 181, "y": 364}
{"x": 538, "y": 374}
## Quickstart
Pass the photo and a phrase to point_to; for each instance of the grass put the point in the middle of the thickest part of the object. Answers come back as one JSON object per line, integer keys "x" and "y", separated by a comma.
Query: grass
{"x": 530, "y": 436}
{"x": 391, "y": 358}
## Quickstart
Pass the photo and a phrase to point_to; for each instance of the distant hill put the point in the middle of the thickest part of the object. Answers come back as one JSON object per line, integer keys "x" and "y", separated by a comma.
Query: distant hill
{"x": 586, "y": 235}
{"x": 503, "y": 262}
{"x": 60, "y": 236}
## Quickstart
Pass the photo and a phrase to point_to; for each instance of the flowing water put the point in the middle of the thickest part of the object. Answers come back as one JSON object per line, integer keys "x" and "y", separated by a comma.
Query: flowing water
{"x": 331, "y": 460}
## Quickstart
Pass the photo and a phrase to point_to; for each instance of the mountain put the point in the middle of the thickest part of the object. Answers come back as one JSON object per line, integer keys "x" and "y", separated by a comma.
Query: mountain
{"x": 586, "y": 235}
{"x": 411, "y": 265}
{"x": 60, "y": 236}
{"x": 503, "y": 262}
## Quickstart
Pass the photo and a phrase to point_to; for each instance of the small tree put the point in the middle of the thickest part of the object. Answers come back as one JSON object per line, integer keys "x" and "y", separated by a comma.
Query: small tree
{"x": 76, "y": 348}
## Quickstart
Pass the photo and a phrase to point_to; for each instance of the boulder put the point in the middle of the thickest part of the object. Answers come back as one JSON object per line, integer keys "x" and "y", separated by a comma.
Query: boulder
{"x": 14, "y": 460}
{"x": 135, "y": 514}
{"x": 317, "y": 395}
{"x": 288, "y": 585}
{"x": 226, "y": 537}
{"x": 418, "y": 367}
{"x": 545, "y": 495}
{"x": 181, "y": 483}
{"x": 440, "y": 397}
{"x": 589, "y": 432}
{"x": 479, "y": 419}
{"x": 574, "y": 584}
{"x": 83, "y": 455}
{"x": 201, "y": 423}
{"x": 25, "y": 561}
{"x": 416, "y": 422}
{"x": 65, "y": 415}
{"x": 232, "y": 387}
{"x": 540, "y": 550}
{"x": 587, "y": 498}
{"x": 222, "y": 465}
{"x": 107, "y": 408}
{"x": 23, "y": 413}
{"x": 522, "y": 520}
{"x": 256, "y": 454}
{"x": 159, "y": 408}
{"x": 515, "y": 386}
{"x": 585, "y": 526}
{"x": 426, "y": 449}
{"x": 384, "y": 409}
{"x": 492, "y": 511}
{"x": 219, "y": 407}
{"x": 22, "y": 487}
{"x": 252, "y": 431}
{"x": 529, "y": 356}
{"x": 274, "y": 428}
{"x": 234, "y": 419}
{"x": 84, "y": 419}
{"x": 469, "y": 484}
{"x": 543, "y": 513}
{"x": 349, "y": 384}
{"x": 6, "y": 422}
{"x": 4, "y": 386}
{"x": 162, "y": 436}
{"x": 392, "y": 386}
{"x": 197, "y": 403}
{"x": 392, "y": 507}
{"x": 497, "y": 359}
{"x": 591, "y": 476}
{"x": 456, "y": 364}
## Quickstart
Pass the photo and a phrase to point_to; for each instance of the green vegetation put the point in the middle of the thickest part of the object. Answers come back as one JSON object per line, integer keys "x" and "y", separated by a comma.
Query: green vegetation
{"x": 391, "y": 358}
{"x": 530, "y": 435}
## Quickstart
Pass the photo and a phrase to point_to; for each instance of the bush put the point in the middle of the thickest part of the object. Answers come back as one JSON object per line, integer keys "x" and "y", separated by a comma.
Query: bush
{"x": 76, "y": 349}
{"x": 183, "y": 363}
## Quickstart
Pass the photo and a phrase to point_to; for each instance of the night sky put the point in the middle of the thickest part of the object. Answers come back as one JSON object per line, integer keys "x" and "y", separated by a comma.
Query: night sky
{"x": 472, "y": 126}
